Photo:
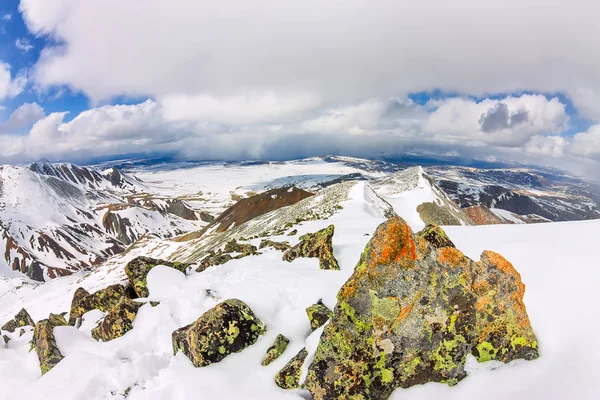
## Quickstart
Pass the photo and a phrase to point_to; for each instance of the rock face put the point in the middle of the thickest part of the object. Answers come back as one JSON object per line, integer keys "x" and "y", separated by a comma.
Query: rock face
{"x": 318, "y": 314}
{"x": 44, "y": 342}
{"x": 436, "y": 236}
{"x": 22, "y": 318}
{"x": 234, "y": 247}
{"x": 318, "y": 244}
{"x": 227, "y": 328}
{"x": 118, "y": 321}
{"x": 289, "y": 376}
{"x": 102, "y": 300}
{"x": 138, "y": 268}
{"x": 276, "y": 349}
{"x": 411, "y": 313}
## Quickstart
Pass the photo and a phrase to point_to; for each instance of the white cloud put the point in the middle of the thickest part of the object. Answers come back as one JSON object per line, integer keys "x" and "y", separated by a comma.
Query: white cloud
{"x": 7, "y": 17}
{"x": 510, "y": 122}
{"x": 587, "y": 144}
{"x": 23, "y": 44}
{"x": 340, "y": 55}
{"x": 22, "y": 117}
{"x": 9, "y": 86}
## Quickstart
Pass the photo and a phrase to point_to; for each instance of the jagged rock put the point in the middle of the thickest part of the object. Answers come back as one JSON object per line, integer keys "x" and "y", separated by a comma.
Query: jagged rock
{"x": 281, "y": 246}
{"x": 118, "y": 321}
{"x": 138, "y": 268}
{"x": 318, "y": 244}
{"x": 277, "y": 349}
{"x": 22, "y": 318}
{"x": 213, "y": 259}
{"x": 436, "y": 236}
{"x": 44, "y": 342}
{"x": 103, "y": 300}
{"x": 411, "y": 313}
{"x": 289, "y": 376}
{"x": 227, "y": 328}
{"x": 234, "y": 247}
{"x": 318, "y": 314}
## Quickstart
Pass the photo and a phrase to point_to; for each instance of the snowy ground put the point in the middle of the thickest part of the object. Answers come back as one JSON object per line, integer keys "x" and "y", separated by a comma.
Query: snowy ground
{"x": 556, "y": 261}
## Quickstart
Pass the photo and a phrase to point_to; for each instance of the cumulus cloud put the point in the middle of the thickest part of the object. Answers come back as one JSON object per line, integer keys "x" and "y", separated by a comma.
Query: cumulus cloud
{"x": 10, "y": 86}
{"x": 358, "y": 51}
{"x": 22, "y": 117}
{"x": 587, "y": 144}
{"x": 7, "y": 17}
{"x": 509, "y": 122}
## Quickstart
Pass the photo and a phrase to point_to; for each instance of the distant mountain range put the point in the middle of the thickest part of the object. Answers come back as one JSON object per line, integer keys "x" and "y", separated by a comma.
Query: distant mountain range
{"x": 57, "y": 219}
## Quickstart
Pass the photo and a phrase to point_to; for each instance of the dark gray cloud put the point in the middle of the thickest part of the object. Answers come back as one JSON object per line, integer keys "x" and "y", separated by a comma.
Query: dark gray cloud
{"x": 499, "y": 117}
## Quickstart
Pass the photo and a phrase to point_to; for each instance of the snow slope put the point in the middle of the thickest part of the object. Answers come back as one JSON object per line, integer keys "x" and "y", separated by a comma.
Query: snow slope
{"x": 556, "y": 262}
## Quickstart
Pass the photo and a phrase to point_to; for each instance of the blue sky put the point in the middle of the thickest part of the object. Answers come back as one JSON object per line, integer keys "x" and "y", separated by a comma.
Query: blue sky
{"x": 234, "y": 81}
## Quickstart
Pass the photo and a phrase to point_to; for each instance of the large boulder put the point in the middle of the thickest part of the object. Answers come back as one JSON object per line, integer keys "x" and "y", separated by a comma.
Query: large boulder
{"x": 234, "y": 247}
{"x": 118, "y": 321}
{"x": 138, "y": 268}
{"x": 289, "y": 376}
{"x": 22, "y": 318}
{"x": 318, "y": 244}
{"x": 103, "y": 300}
{"x": 277, "y": 349}
{"x": 227, "y": 328}
{"x": 411, "y": 313}
{"x": 44, "y": 342}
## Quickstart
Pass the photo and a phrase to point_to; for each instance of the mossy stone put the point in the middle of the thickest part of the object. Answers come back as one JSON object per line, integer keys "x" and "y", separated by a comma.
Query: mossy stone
{"x": 118, "y": 321}
{"x": 137, "y": 270}
{"x": 319, "y": 245}
{"x": 277, "y": 349}
{"x": 289, "y": 376}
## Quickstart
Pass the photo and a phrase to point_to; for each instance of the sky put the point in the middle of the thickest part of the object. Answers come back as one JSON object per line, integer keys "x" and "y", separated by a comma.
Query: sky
{"x": 517, "y": 80}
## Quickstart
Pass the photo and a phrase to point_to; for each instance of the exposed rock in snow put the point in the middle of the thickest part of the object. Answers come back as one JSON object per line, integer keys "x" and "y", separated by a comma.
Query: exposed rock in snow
{"x": 411, "y": 314}
{"x": 316, "y": 245}
{"x": 137, "y": 270}
{"x": 277, "y": 349}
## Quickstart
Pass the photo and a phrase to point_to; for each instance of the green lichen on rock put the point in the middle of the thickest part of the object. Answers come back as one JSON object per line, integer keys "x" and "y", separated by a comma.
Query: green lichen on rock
{"x": 103, "y": 300}
{"x": 277, "y": 349}
{"x": 227, "y": 328}
{"x": 137, "y": 270}
{"x": 318, "y": 244}
{"x": 44, "y": 342}
{"x": 212, "y": 259}
{"x": 289, "y": 376}
{"x": 118, "y": 321}
{"x": 436, "y": 236}
{"x": 318, "y": 314}
{"x": 234, "y": 247}
{"x": 22, "y": 318}
{"x": 412, "y": 312}
{"x": 281, "y": 246}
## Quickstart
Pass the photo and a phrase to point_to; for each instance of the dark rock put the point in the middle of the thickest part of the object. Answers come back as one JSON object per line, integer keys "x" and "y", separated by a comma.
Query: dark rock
{"x": 22, "y": 318}
{"x": 277, "y": 349}
{"x": 281, "y": 246}
{"x": 436, "y": 236}
{"x": 227, "y": 328}
{"x": 103, "y": 300}
{"x": 289, "y": 376}
{"x": 138, "y": 268}
{"x": 318, "y": 314}
{"x": 234, "y": 247}
{"x": 118, "y": 321}
{"x": 213, "y": 259}
{"x": 411, "y": 313}
{"x": 206, "y": 217}
{"x": 318, "y": 244}
{"x": 293, "y": 232}
{"x": 44, "y": 342}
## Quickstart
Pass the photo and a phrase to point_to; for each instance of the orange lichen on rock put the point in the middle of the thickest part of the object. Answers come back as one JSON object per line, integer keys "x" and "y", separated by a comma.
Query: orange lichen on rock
{"x": 451, "y": 257}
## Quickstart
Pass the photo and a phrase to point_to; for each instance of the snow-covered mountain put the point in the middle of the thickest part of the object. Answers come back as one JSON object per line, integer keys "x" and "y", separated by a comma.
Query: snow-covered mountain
{"x": 238, "y": 255}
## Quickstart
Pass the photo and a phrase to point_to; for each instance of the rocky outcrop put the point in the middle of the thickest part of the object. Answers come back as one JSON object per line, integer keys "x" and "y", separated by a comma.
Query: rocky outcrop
{"x": 138, "y": 268}
{"x": 227, "y": 328}
{"x": 118, "y": 321}
{"x": 277, "y": 349}
{"x": 482, "y": 215}
{"x": 318, "y": 244}
{"x": 234, "y": 247}
{"x": 289, "y": 376}
{"x": 103, "y": 300}
{"x": 318, "y": 314}
{"x": 436, "y": 236}
{"x": 44, "y": 342}
{"x": 260, "y": 204}
{"x": 22, "y": 318}
{"x": 281, "y": 246}
{"x": 411, "y": 313}
{"x": 212, "y": 259}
